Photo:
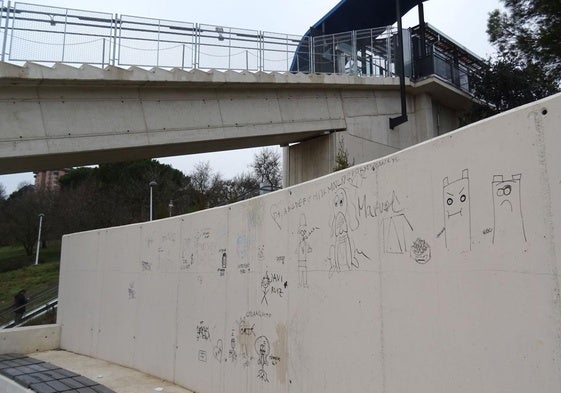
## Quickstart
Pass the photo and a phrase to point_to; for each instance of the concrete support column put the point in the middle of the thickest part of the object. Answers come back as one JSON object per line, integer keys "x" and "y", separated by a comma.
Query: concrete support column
{"x": 285, "y": 166}
{"x": 425, "y": 120}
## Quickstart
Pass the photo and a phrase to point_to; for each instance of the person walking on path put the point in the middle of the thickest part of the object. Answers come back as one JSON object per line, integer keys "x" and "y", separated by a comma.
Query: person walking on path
{"x": 20, "y": 300}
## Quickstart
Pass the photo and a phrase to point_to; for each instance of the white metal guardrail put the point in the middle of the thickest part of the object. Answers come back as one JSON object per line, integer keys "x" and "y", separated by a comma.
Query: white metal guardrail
{"x": 45, "y": 34}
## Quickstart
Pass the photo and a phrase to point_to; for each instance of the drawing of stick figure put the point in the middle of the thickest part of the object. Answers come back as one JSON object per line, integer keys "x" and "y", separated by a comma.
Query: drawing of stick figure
{"x": 341, "y": 253}
{"x": 263, "y": 349}
{"x": 303, "y": 249}
{"x": 265, "y": 283}
{"x": 232, "y": 354}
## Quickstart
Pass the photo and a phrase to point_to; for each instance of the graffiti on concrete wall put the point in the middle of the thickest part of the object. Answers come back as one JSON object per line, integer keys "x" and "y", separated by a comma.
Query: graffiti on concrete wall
{"x": 508, "y": 220}
{"x": 457, "y": 213}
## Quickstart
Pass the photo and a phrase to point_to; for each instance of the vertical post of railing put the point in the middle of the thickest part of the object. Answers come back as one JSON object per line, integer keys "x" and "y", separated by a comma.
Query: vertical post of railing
{"x": 103, "y": 54}
{"x": 334, "y": 54}
{"x": 13, "y": 11}
{"x": 355, "y": 53}
{"x": 247, "y": 60}
{"x": 196, "y": 47}
{"x": 388, "y": 50}
{"x": 158, "y": 44}
{"x": 287, "y": 54}
{"x": 114, "y": 49}
{"x": 260, "y": 45}
{"x": 64, "y": 35}
{"x": 371, "y": 65}
{"x": 230, "y": 49}
{"x": 112, "y": 28}
{"x": 311, "y": 56}
{"x": 7, "y": 19}
{"x": 183, "y": 58}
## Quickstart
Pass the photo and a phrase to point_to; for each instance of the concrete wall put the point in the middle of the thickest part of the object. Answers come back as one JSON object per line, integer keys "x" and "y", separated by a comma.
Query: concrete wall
{"x": 432, "y": 270}
{"x": 30, "y": 339}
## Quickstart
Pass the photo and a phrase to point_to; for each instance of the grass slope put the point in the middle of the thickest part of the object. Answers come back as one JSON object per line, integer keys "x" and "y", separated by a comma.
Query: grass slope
{"x": 17, "y": 271}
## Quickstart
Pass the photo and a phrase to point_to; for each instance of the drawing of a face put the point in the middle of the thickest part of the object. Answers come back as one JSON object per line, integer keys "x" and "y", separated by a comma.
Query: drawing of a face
{"x": 263, "y": 349}
{"x": 457, "y": 215}
{"x": 265, "y": 282}
{"x": 340, "y": 201}
{"x": 456, "y": 197}
{"x": 505, "y": 191}
{"x": 302, "y": 226}
{"x": 507, "y": 208}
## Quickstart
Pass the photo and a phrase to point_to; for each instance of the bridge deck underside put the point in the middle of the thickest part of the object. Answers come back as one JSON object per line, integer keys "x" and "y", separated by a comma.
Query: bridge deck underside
{"x": 48, "y": 126}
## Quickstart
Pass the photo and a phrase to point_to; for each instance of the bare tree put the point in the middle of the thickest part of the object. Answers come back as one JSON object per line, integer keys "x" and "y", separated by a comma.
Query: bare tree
{"x": 267, "y": 167}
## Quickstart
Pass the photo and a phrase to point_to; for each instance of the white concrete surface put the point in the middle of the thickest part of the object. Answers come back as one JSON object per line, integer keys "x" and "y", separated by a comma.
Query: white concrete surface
{"x": 435, "y": 269}
{"x": 115, "y": 377}
{"x": 30, "y": 339}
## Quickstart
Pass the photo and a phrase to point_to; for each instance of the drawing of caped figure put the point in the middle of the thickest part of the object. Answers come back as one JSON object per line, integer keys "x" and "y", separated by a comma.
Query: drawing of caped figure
{"x": 341, "y": 253}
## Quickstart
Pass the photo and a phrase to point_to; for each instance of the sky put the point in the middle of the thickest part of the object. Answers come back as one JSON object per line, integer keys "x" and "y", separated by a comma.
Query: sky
{"x": 463, "y": 20}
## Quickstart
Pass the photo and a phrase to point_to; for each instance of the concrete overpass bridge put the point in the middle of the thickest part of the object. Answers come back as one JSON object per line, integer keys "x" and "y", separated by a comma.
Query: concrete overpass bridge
{"x": 65, "y": 116}
{"x": 214, "y": 88}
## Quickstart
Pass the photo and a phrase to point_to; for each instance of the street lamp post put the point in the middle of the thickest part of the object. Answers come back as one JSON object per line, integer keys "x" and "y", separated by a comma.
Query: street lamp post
{"x": 152, "y": 184}
{"x": 41, "y": 215}
{"x": 170, "y": 206}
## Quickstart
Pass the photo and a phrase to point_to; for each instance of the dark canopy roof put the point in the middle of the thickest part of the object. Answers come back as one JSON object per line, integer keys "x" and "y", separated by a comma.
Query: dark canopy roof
{"x": 351, "y": 15}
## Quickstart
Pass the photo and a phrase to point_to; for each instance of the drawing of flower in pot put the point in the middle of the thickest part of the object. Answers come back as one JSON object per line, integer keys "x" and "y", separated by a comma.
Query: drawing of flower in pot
{"x": 420, "y": 251}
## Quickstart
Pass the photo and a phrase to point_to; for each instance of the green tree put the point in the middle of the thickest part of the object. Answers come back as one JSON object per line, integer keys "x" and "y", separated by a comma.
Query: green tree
{"x": 118, "y": 194}
{"x": 528, "y": 62}
{"x": 342, "y": 160}
{"x": 527, "y": 32}
{"x": 22, "y": 210}
{"x": 502, "y": 85}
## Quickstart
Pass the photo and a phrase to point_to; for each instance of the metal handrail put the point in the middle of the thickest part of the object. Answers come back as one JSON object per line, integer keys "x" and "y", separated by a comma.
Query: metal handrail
{"x": 126, "y": 40}
{"x": 37, "y": 303}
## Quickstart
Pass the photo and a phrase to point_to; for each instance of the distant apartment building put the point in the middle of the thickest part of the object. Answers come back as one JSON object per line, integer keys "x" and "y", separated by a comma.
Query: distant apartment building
{"x": 48, "y": 180}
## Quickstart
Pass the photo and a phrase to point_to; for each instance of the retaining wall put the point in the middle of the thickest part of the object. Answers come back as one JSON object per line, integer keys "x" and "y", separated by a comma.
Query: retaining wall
{"x": 435, "y": 269}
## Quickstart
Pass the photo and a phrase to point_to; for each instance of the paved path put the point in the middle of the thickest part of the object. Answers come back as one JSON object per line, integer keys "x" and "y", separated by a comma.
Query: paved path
{"x": 118, "y": 378}
{"x": 45, "y": 377}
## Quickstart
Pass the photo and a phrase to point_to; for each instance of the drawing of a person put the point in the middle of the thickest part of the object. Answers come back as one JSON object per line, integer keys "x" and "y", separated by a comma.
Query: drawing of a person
{"x": 303, "y": 249}
{"x": 232, "y": 353}
{"x": 263, "y": 349}
{"x": 265, "y": 283}
{"x": 341, "y": 251}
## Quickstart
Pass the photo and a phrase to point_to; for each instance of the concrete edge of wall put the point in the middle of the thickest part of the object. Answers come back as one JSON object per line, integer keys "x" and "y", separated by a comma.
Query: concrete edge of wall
{"x": 37, "y": 73}
{"x": 9, "y": 386}
{"x": 30, "y": 339}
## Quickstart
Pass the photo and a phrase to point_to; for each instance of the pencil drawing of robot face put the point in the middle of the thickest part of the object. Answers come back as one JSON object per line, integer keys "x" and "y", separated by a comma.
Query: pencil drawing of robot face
{"x": 457, "y": 215}
{"x": 507, "y": 208}
{"x": 505, "y": 191}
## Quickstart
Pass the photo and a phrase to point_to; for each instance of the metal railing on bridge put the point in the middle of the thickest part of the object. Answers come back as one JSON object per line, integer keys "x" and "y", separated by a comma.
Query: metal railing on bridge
{"x": 45, "y": 34}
